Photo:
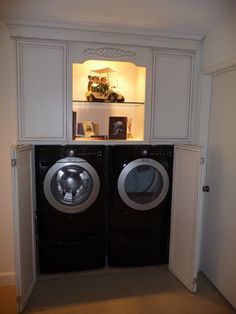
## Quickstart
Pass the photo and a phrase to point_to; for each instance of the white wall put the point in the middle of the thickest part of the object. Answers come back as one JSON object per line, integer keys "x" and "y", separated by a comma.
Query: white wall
{"x": 7, "y": 138}
{"x": 219, "y": 46}
{"x": 218, "y": 237}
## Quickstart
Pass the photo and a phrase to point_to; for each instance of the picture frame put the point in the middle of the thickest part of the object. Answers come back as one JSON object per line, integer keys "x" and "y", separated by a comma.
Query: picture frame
{"x": 88, "y": 128}
{"x": 74, "y": 118}
{"x": 80, "y": 130}
{"x": 118, "y": 128}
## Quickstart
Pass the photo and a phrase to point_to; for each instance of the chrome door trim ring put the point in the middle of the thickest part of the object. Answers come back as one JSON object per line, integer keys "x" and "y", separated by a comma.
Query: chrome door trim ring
{"x": 70, "y": 209}
{"x": 122, "y": 177}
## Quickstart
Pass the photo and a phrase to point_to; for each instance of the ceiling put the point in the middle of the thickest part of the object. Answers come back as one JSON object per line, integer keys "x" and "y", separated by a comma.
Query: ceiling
{"x": 185, "y": 16}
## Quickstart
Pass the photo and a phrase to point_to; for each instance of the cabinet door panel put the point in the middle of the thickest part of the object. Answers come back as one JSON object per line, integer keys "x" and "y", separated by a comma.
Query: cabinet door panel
{"x": 42, "y": 91}
{"x": 185, "y": 215}
{"x": 24, "y": 231}
{"x": 172, "y": 95}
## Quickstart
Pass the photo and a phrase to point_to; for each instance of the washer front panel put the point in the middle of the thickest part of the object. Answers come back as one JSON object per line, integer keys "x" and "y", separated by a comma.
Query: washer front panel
{"x": 71, "y": 185}
{"x": 143, "y": 184}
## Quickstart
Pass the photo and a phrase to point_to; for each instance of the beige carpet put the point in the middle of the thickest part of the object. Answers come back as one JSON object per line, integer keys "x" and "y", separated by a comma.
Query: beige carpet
{"x": 148, "y": 290}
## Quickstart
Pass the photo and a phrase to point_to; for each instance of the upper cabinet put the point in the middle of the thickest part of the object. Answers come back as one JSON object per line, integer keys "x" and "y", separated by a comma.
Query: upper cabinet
{"x": 82, "y": 91}
{"x": 172, "y": 96}
{"x": 41, "y": 90}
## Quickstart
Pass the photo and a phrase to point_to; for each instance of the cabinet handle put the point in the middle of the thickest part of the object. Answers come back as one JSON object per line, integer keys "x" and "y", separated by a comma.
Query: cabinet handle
{"x": 205, "y": 188}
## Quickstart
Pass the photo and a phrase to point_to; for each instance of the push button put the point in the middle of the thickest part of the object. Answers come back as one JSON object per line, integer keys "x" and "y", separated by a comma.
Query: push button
{"x": 71, "y": 153}
{"x": 144, "y": 152}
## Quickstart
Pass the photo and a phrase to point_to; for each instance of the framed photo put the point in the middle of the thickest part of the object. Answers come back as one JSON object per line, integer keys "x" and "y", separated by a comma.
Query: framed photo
{"x": 74, "y": 118}
{"x": 80, "y": 130}
{"x": 118, "y": 128}
{"x": 88, "y": 128}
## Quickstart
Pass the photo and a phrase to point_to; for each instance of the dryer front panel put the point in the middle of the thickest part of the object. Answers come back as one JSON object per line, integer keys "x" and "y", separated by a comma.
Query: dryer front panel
{"x": 71, "y": 185}
{"x": 143, "y": 184}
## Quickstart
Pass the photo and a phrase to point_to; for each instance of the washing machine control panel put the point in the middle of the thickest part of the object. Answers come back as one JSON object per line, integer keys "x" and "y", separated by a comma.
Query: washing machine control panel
{"x": 81, "y": 152}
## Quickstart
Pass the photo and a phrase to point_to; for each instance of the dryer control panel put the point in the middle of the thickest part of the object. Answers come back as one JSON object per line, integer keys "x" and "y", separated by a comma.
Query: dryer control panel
{"x": 154, "y": 151}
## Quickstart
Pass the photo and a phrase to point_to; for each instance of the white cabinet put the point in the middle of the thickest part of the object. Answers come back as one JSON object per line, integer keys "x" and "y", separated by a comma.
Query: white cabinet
{"x": 172, "y": 96}
{"x": 41, "y": 90}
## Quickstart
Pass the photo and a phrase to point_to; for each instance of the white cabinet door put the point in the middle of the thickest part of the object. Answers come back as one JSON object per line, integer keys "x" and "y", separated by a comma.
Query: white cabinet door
{"x": 24, "y": 233}
{"x": 185, "y": 216}
{"x": 41, "y": 91}
{"x": 172, "y": 96}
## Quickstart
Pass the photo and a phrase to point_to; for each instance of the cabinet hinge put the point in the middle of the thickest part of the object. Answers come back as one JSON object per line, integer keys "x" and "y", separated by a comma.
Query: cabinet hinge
{"x": 18, "y": 299}
{"x": 202, "y": 161}
{"x": 13, "y": 162}
{"x": 194, "y": 281}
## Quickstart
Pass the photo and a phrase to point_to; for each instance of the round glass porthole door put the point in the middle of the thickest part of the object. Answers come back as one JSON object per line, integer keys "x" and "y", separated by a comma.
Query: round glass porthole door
{"x": 71, "y": 185}
{"x": 143, "y": 184}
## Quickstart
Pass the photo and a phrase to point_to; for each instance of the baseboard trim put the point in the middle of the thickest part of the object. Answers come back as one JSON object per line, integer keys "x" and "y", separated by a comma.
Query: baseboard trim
{"x": 7, "y": 279}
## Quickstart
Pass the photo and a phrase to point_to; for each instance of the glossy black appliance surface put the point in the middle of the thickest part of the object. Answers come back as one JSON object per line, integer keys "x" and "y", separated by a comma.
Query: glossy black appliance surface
{"x": 70, "y": 239}
{"x": 140, "y": 204}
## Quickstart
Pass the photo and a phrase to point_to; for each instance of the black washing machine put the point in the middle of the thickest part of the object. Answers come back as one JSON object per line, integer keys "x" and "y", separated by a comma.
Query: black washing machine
{"x": 71, "y": 207}
{"x": 140, "y": 204}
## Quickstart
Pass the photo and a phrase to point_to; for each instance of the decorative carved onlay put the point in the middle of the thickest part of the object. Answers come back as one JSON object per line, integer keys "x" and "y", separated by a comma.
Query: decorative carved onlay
{"x": 110, "y": 52}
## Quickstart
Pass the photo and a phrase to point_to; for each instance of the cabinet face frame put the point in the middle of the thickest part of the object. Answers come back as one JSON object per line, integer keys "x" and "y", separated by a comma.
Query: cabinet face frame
{"x": 140, "y": 56}
{"x": 23, "y": 134}
{"x": 189, "y": 115}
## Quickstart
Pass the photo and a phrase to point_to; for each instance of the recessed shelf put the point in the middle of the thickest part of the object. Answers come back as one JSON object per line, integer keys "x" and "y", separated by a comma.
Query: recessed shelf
{"x": 124, "y": 80}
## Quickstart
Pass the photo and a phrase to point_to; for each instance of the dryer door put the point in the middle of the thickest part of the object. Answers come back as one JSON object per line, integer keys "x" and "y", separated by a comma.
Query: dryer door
{"x": 71, "y": 185}
{"x": 143, "y": 184}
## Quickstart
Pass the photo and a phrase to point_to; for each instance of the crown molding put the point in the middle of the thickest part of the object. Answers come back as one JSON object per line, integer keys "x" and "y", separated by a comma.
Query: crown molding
{"x": 101, "y": 34}
{"x": 220, "y": 67}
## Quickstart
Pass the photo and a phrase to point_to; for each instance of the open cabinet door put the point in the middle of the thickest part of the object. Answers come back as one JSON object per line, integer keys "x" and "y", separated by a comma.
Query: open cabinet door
{"x": 185, "y": 215}
{"x": 24, "y": 235}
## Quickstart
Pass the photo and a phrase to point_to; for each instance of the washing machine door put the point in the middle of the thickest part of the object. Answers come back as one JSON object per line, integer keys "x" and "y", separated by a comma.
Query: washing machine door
{"x": 71, "y": 185}
{"x": 143, "y": 184}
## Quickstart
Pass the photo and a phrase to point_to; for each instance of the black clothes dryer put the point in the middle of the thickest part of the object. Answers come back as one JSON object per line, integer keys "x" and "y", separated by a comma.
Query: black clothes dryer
{"x": 71, "y": 207}
{"x": 139, "y": 216}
